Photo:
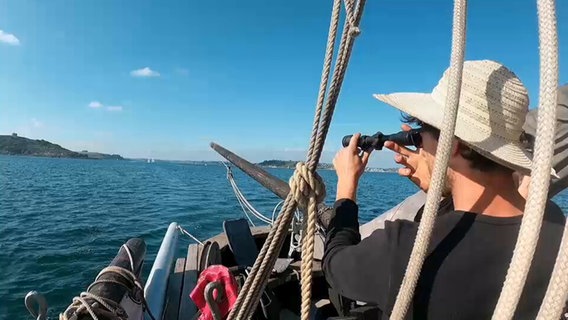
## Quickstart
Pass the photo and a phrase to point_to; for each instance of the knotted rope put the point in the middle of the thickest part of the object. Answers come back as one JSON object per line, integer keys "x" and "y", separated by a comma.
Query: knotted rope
{"x": 540, "y": 180}
{"x": 422, "y": 240}
{"x": 306, "y": 186}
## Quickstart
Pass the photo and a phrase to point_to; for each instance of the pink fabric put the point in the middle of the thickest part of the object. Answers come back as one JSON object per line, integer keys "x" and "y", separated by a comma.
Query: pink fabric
{"x": 220, "y": 274}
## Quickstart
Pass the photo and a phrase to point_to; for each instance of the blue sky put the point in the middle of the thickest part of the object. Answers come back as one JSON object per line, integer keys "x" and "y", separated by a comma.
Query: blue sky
{"x": 163, "y": 79}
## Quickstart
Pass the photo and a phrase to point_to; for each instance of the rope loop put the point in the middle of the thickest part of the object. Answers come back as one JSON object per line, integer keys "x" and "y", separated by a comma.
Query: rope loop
{"x": 33, "y": 299}
{"x": 354, "y": 31}
{"x": 305, "y": 184}
{"x": 96, "y": 306}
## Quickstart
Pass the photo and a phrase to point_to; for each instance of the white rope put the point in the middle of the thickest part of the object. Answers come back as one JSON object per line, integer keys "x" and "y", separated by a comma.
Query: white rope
{"x": 182, "y": 230}
{"x": 275, "y": 210}
{"x": 34, "y": 298}
{"x": 433, "y": 197}
{"x": 97, "y": 306}
{"x": 236, "y": 191}
{"x": 244, "y": 203}
{"x": 540, "y": 180}
{"x": 557, "y": 293}
{"x": 248, "y": 205}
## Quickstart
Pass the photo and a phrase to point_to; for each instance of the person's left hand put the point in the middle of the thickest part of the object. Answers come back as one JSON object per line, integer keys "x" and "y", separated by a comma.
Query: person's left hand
{"x": 349, "y": 166}
{"x": 414, "y": 161}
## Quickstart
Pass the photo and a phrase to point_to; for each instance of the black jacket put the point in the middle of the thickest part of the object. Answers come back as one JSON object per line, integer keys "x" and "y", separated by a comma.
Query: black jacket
{"x": 463, "y": 274}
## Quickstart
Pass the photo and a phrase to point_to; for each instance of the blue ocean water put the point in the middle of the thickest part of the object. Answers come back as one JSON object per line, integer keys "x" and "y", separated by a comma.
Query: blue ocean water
{"x": 63, "y": 220}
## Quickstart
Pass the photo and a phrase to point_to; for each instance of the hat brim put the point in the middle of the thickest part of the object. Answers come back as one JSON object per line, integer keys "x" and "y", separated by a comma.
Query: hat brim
{"x": 424, "y": 107}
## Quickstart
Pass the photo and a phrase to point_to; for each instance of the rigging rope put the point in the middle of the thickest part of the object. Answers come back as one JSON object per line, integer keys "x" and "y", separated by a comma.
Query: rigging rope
{"x": 182, "y": 230}
{"x": 305, "y": 185}
{"x": 245, "y": 204}
{"x": 437, "y": 184}
{"x": 540, "y": 181}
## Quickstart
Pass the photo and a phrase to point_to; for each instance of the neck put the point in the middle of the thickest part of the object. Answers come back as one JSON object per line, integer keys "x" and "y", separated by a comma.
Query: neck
{"x": 493, "y": 194}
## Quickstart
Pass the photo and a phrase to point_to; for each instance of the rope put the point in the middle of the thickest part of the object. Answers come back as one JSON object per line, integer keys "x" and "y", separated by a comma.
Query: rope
{"x": 345, "y": 48}
{"x": 540, "y": 181}
{"x": 241, "y": 203}
{"x": 244, "y": 203}
{"x": 557, "y": 292}
{"x": 331, "y": 39}
{"x": 304, "y": 179}
{"x": 306, "y": 184}
{"x": 276, "y": 209}
{"x": 34, "y": 297}
{"x": 443, "y": 151}
{"x": 182, "y": 230}
{"x": 97, "y": 306}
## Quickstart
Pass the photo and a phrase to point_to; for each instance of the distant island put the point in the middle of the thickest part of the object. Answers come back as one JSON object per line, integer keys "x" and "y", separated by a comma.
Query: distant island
{"x": 16, "y": 145}
{"x": 289, "y": 164}
{"x": 280, "y": 164}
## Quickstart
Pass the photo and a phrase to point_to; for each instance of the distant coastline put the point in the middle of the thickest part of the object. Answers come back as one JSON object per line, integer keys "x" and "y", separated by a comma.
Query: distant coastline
{"x": 275, "y": 164}
{"x": 289, "y": 164}
{"x": 16, "y": 145}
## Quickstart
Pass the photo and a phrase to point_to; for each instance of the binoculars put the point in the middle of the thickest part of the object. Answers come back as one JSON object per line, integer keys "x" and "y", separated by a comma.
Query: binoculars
{"x": 376, "y": 141}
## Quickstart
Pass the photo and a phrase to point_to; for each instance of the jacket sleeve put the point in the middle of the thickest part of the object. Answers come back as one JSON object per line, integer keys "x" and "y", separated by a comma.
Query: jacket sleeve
{"x": 356, "y": 269}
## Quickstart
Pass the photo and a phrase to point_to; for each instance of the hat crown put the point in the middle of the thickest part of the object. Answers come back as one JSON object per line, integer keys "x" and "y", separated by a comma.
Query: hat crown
{"x": 492, "y": 99}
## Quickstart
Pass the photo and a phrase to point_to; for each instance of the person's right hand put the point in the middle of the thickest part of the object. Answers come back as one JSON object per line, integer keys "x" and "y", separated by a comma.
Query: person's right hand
{"x": 415, "y": 165}
{"x": 349, "y": 165}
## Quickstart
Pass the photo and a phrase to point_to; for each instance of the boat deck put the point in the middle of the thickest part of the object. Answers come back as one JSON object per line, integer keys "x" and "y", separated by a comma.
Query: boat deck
{"x": 178, "y": 304}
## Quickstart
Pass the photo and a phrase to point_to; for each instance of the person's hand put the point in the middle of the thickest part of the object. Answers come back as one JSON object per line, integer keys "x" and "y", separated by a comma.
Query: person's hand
{"x": 522, "y": 181}
{"x": 415, "y": 165}
{"x": 349, "y": 166}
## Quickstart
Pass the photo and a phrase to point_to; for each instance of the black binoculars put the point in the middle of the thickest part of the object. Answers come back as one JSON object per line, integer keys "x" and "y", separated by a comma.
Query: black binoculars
{"x": 376, "y": 141}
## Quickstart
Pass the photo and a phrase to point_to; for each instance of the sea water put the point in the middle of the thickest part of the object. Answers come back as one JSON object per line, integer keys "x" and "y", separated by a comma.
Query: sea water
{"x": 63, "y": 220}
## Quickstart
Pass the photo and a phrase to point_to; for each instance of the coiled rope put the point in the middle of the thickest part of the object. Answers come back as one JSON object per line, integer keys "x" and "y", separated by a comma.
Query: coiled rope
{"x": 433, "y": 197}
{"x": 540, "y": 181}
{"x": 95, "y": 306}
{"x": 305, "y": 185}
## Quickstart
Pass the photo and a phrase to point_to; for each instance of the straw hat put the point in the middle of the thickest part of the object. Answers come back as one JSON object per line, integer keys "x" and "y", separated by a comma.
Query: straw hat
{"x": 492, "y": 110}
{"x": 560, "y": 157}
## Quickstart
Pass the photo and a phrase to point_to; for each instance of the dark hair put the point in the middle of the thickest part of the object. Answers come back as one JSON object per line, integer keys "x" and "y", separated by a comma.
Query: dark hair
{"x": 527, "y": 140}
{"x": 410, "y": 120}
{"x": 476, "y": 160}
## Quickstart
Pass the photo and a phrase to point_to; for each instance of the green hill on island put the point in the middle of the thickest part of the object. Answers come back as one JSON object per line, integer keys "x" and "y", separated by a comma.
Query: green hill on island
{"x": 15, "y": 145}
{"x": 289, "y": 164}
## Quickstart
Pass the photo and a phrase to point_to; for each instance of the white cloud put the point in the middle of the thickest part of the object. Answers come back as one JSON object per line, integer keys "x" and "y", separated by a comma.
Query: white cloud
{"x": 144, "y": 73}
{"x": 114, "y": 108}
{"x": 95, "y": 104}
{"x": 9, "y": 38}
{"x": 98, "y": 105}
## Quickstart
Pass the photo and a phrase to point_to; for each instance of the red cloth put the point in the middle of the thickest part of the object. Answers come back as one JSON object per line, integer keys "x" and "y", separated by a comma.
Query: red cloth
{"x": 220, "y": 274}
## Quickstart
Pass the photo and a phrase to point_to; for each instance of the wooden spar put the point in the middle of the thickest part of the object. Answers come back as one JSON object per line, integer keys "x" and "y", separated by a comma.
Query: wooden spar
{"x": 270, "y": 182}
